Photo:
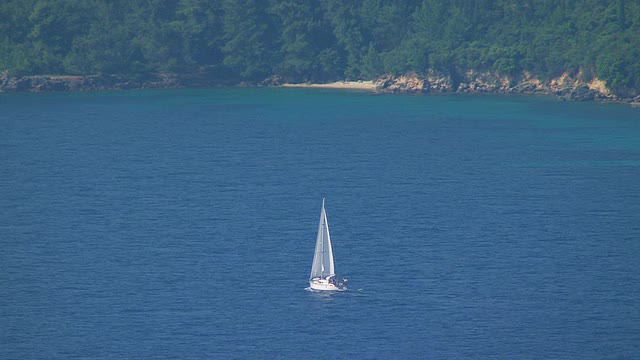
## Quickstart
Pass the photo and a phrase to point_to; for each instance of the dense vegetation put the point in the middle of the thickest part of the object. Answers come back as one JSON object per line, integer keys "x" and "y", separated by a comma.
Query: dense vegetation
{"x": 322, "y": 40}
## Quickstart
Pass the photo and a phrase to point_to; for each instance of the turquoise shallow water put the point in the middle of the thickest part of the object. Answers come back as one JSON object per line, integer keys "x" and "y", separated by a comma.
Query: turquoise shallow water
{"x": 181, "y": 224}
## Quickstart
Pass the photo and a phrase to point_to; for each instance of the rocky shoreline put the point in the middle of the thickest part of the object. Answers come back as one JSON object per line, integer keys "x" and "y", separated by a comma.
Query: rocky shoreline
{"x": 565, "y": 87}
{"x": 51, "y": 83}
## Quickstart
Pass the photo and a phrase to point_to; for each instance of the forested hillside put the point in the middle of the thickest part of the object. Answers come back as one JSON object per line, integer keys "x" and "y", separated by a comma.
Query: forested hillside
{"x": 322, "y": 40}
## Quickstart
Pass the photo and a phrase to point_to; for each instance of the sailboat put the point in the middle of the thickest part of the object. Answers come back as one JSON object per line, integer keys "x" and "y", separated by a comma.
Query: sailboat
{"x": 323, "y": 276}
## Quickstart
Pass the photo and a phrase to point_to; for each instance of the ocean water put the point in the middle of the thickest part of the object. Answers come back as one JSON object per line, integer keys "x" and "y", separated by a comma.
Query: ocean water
{"x": 181, "y": 225}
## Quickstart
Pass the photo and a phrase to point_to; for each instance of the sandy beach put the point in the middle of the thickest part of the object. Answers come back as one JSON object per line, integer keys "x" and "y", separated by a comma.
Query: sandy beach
{"x": 355, "y": 85}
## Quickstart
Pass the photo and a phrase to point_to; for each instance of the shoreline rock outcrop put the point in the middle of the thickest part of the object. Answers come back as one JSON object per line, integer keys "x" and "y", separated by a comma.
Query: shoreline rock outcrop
{"x": 565, "y": 86}
{"x": 49, "y": 83}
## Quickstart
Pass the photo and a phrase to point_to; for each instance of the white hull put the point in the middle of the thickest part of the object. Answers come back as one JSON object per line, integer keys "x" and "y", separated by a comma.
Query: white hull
{"x": 324, "y": 285}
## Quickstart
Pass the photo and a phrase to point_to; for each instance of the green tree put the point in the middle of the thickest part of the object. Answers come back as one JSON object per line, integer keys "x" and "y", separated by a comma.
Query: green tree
{"x": 319, "y": 40}
{"x": 249, "y": 45}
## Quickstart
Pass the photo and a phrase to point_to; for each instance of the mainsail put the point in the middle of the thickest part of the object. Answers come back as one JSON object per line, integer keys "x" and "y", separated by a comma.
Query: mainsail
{"x": 323, "y": 257}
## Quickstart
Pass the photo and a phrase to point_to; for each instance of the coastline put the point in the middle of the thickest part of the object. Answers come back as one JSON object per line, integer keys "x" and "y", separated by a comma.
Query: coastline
{"x": 565, "y": 87}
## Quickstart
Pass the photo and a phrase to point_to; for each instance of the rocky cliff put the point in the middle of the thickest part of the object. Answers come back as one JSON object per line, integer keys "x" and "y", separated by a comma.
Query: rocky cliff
{"x": 565, "y": 86}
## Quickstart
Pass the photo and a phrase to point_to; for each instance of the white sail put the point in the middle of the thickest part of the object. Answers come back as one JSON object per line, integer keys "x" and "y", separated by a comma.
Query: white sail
{"x": 323, "y": 256}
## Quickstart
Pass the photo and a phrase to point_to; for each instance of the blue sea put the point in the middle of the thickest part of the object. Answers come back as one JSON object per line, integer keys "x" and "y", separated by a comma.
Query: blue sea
{"x": 181, "y": 224}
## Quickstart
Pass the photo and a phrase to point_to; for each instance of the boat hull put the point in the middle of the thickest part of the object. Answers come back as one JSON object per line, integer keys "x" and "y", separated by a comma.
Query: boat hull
{"x": 323, "y": 285}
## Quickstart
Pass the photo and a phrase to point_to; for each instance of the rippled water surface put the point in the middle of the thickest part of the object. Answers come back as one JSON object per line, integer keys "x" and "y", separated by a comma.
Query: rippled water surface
{"x": 181, "y": 224}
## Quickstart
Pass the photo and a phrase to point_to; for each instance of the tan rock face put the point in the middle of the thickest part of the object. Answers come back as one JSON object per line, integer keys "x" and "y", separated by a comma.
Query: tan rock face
{"x": 566, "y": 86}
{"x": 412, "y": 83}
{"x": 600, "y": 86}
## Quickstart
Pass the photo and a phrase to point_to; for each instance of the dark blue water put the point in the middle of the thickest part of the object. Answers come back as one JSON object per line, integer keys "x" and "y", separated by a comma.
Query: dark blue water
{"x": 181, "y": 224}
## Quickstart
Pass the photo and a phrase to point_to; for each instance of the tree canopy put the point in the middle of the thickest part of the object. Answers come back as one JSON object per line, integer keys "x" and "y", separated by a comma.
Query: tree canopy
{"x": 322, "y": 40}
